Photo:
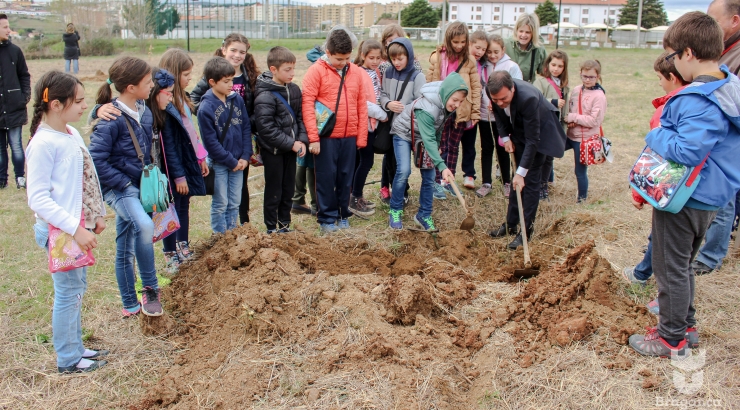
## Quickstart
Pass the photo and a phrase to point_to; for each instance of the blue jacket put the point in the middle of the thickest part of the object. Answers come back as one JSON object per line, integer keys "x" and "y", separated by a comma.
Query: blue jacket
{"x": 212, "y": 114}
{"x": 113, "y": 152}
{"x": 180, "y": 157}
{"x": 702, "y": 119}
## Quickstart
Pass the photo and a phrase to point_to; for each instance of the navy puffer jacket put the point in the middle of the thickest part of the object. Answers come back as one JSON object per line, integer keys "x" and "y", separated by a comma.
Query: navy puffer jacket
{"x": 180, "y": 153}
{"x": 113, "y": 152}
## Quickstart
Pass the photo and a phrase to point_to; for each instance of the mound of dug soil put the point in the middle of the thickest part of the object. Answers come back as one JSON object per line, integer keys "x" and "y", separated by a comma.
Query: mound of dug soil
{"x": 296, "y": 320}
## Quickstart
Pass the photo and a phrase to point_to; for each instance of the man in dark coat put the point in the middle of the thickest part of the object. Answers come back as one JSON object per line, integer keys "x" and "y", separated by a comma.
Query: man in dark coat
{"x": 530, "y": 128}
{"x": 15, "y": 92}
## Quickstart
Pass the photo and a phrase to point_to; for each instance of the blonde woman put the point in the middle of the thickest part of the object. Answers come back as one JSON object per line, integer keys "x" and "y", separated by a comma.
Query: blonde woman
{"x": 71, "y": 48}
{"x": 525, "y": 48}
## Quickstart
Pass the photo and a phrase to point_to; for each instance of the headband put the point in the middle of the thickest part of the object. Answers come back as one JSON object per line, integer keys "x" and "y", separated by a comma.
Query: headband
{"x": 164, "y": 79}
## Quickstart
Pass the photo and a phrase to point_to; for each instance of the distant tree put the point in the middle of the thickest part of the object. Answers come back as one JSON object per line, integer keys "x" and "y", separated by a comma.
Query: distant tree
{"x": 386, "y": 16}
{"x": 653, "y": 13}
{"x": 165, "y": 18}
{"x": 547, "y": 12}
{"x": 420, "y": 14}
{"x": 138, "y": 21}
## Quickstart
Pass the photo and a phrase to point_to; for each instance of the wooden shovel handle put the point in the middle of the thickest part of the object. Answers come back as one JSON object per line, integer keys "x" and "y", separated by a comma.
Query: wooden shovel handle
{"x": 459, "y": 196}
{"x": 522, "y": 223}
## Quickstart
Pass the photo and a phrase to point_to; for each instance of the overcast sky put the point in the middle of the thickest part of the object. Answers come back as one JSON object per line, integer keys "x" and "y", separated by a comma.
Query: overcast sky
{"x": 675, "y": 8}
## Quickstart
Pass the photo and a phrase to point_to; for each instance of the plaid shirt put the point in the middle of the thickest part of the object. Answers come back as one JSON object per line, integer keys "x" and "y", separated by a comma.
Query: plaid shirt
{"x": 450, "y": 144}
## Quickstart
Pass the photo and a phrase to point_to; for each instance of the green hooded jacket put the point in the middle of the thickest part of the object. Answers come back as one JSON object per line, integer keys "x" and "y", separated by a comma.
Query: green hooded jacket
{"x": 429, "y": 115}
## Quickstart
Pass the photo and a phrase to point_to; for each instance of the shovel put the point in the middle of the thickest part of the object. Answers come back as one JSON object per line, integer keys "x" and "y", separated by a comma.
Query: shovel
{"x": 468, "y": 223}
{"x": 528, "y": 271}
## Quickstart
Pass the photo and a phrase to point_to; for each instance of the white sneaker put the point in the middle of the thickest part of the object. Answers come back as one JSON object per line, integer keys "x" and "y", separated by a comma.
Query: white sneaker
{"x": 469, "y": 182}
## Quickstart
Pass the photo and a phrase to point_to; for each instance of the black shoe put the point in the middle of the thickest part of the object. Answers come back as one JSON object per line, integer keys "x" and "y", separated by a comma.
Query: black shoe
{"x": 20, "y": 182}
{"x": 74, "y": 369}
{"x": 518, "y": 241}
{"x": 301, "y": 209}
{"x": 700, "y": 268}
{"x": 501, "y": 231}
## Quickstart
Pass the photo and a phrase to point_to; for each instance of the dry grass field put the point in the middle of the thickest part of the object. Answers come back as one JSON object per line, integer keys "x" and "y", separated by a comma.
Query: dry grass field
{"x": 583, "y": 374}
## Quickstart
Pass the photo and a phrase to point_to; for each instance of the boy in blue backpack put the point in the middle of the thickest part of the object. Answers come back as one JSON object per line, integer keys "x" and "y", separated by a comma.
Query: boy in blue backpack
{"x": 699, "y": 127}
{"x": 281, "y": 135}
{"x": 224, "y": 128}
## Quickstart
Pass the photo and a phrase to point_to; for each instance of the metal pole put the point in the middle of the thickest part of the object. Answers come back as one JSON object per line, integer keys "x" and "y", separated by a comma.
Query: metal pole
{"x": 557, "y": 35}
{"x": 187, "y": 22}
{"x": 639, "y": 24}
{"x": 266, "y": 16}
{"x": 442, "y": 23}
{"x": 608, "y": 20}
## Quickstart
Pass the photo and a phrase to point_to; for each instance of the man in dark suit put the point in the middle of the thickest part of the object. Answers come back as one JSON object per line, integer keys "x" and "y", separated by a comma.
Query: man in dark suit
{"x": 530, "y": 128}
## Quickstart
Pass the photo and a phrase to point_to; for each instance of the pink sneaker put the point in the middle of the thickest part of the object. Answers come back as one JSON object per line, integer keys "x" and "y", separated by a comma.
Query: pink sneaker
{"x": 385, "y": 195}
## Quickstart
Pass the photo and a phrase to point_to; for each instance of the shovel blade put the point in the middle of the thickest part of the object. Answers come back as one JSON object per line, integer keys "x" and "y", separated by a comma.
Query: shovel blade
{"x": 526, "y": 273}
{"x": 467, "y": 224}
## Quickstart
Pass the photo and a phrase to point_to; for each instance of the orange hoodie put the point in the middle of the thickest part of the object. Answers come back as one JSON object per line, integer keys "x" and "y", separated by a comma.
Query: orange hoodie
{"x": 321, "y": 83}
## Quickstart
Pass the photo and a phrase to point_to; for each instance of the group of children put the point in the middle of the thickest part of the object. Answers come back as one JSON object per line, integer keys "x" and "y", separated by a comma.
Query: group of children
{"x": 69, "y": 182}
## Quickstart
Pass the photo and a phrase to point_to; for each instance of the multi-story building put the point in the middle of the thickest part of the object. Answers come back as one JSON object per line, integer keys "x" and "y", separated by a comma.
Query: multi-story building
{"x": 299, "y": 17}
{"x": 478, "y": 14}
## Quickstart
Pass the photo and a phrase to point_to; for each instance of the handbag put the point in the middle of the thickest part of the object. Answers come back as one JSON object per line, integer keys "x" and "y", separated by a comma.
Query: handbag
{"x": 325, "y": 117}
{"x": 383, "y": 143}
{"x": 210, "y": 179}
{"x": 167, "y": 222}
{"x": 422, "y": 160}
{"x": 153, "y": 184}
{"x": 664, "y": 184}
{"x": 65, "y": 253}
{"x": 593, "y": 151}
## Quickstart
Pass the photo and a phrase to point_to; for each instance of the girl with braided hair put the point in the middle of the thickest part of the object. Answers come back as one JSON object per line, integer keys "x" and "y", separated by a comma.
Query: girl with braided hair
{"x": 64, "y": 191}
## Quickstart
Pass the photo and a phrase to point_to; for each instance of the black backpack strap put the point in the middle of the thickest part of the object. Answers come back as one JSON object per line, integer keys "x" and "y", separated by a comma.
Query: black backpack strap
{"x": 531, "y": 65}
{"x": 227, "y": 125}
{"x": 341, "y": 84}
{"x": 403, "y": 86}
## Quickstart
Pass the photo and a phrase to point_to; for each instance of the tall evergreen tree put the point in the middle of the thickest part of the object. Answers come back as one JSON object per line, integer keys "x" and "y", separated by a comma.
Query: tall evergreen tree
{"x": 653, "y": 13}
{"x": 547, "y": 12}
{"x": 420, "y": 14}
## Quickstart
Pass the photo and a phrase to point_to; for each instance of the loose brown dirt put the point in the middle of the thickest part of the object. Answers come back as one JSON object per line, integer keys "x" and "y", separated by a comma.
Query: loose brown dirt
{"x": 299, "y": 320}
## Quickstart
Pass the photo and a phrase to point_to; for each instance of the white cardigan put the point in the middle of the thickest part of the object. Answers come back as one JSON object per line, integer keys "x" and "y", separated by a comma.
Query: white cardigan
{"x": 54, "y": 178}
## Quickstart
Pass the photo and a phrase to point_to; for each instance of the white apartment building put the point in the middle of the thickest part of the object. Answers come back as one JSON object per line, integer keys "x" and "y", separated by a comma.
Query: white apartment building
{"x": 480, "y": 14}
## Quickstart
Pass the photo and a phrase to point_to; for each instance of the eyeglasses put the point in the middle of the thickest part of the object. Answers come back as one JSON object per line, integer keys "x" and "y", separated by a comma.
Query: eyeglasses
{"x": 588, "y": 77}
{"x": 165, "y": 92}
{"x": 669, "y": 57}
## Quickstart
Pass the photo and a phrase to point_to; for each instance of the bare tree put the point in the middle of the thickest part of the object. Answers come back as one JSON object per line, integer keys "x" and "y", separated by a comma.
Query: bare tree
{"x": 138, "y": 19}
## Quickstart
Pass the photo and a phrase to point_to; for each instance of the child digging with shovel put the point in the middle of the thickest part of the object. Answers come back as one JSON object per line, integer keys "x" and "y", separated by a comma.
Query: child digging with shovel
{"x": 418, "y": 129}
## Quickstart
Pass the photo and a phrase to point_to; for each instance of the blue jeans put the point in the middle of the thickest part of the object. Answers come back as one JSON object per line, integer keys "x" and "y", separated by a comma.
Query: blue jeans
{"x": 227, "y": 195}
{"x": 581, "y": 170}
{"x": 76, "y": 64}
{"x": 11, "y": 137}
{"x": 66, "y": 319}
{"x": 134, "y": 233}
{"x": 644, "y": 270}
{"x": 402, "y": 149}
{"x": 718, "y": 237}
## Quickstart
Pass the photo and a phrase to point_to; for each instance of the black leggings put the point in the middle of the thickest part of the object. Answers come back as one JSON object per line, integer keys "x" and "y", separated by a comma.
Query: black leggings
{"x": 365, "y": 159}
{"x": 182, "y": 207}
{"x": 244, "y": 206}
{"x": 489, "y": 143}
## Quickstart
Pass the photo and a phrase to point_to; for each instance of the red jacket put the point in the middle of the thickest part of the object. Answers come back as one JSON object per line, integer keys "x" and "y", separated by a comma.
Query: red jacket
{"x": 658, "y": 103}
{"x": 321, "y": 83}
